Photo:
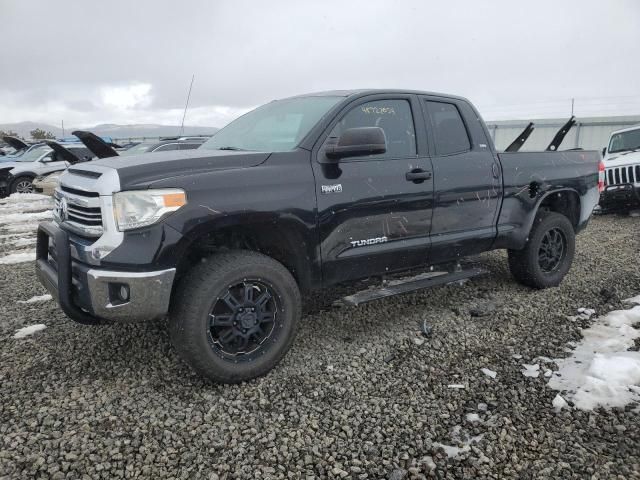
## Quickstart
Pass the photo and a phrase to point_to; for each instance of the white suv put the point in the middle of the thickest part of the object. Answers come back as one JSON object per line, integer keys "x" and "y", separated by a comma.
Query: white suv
{"x": 622, "y": 169}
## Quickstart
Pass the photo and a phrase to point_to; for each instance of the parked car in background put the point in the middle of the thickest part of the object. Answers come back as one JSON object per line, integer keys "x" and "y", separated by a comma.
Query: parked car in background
{"x": 46, "y": 184}
{"x": 97, "y": 145}
{"x": 163, "y": 146}
{"x": 15, "y": 147}
{"x": 622, "y": 170}
{"x": 17, "y": 176}
{"x": 125, "y": 146}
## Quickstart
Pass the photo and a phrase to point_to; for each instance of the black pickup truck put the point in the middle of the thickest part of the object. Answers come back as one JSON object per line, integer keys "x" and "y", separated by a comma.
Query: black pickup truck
{"x": 297, "y": 195}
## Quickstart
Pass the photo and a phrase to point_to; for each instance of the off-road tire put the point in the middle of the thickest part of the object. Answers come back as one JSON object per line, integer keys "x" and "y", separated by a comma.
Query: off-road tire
{"x": 193, "y": 302}
{"x": 524, "y": 264}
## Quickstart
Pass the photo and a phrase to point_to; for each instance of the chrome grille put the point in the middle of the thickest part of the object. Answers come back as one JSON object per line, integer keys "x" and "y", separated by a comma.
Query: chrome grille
{"x": 79, "y": 212}
{"x": 620, "y": 175}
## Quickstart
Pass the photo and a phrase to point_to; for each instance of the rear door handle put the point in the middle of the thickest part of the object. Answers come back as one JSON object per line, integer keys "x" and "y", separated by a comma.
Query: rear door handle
{"x": 417, "y": 175}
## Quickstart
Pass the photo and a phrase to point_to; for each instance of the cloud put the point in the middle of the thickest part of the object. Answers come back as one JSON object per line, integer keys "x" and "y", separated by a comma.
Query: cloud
{"x": 126, "y": 97}
{"x": 92, "y": 62}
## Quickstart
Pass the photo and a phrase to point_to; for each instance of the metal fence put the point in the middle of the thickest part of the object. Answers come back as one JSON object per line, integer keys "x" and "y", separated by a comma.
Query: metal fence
{"x": 588, "y": 133}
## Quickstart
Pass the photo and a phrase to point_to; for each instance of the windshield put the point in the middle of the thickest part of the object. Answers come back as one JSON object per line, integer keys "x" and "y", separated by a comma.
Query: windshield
{"x": 33, "y": 154}
{"x": 624, "y": 141}
{"x": 137, "y": 149}
{"x": 275, "y": 127}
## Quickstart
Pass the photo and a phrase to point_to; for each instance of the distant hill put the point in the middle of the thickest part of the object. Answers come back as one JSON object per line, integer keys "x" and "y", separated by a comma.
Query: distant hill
{"x": 111, "y": 130}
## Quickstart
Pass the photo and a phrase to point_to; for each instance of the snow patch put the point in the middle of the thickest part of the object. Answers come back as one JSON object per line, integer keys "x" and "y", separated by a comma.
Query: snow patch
{"x": 532, "y": 371}
{"x": 559, "y": 403}
{"x": 465, "y": 445}
{"x": 635, "y": 300}
{"x": 41, "y": 298}
{"x": 473, "y": 417}
{"x": 30, "y": 330}
{"x": 25, "y": 217}
{"x": 489, "y": 373}
{"x": 602, "y": 371}
{"x": 18, "y": 258}
{"x": 583, "y": 314}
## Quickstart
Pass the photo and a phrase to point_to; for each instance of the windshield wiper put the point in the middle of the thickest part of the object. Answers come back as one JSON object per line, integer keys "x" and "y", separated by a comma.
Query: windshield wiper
{"x": 629, "y": 150}
{"x": 236, "y": 149}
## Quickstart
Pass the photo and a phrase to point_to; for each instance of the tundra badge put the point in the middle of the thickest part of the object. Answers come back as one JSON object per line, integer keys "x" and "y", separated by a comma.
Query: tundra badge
{"x": 368, "y": 241}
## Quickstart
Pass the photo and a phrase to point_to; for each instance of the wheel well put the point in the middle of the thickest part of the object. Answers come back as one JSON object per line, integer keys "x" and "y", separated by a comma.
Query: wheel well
{"x": 268, "y": 239}
{"x": 566, "y": 203}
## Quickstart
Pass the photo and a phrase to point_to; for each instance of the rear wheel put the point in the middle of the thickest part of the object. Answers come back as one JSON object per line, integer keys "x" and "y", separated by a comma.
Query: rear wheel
{"x": 22, "y": 184}
{"x": 548, "y": 253}
{"x": 235, "y": 316}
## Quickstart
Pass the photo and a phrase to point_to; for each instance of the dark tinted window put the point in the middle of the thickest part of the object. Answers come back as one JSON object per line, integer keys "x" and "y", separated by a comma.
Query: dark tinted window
{"x": 393, "y": 116}
{"x": 189, "y": 146}
{"x": 448, "y": 128}
{"x": 82, "y": 153}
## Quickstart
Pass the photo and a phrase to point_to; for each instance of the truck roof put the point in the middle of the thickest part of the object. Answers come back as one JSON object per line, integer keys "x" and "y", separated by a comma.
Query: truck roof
{"x": 626, "y": 129}
{"x": 374, "y": 91}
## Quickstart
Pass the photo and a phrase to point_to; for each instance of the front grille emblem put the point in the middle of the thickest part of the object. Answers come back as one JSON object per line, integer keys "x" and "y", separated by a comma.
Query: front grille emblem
{"x": 62, "y": 209}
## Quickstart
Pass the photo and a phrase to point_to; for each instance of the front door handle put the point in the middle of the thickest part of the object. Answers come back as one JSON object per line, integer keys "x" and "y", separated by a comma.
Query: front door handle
{"x": 417, "y": 175}
{"x": 495, "y": 170}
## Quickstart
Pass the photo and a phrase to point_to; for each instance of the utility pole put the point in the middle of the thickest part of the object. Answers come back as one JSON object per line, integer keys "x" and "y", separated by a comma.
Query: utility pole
{"x": 62, "y": 128}
{"x": 186, "y": 105}
{"x": 572, "y": 101}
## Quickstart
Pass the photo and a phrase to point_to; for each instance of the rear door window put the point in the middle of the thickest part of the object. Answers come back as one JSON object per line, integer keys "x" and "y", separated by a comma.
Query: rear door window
{"x": 449, "y": 132}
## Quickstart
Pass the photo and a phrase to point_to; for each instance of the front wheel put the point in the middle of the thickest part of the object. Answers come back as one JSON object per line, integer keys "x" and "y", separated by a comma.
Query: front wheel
{"x": 547, "y": 256}
{"x": 235, "y": 316}
{"x": 22, "y": 185}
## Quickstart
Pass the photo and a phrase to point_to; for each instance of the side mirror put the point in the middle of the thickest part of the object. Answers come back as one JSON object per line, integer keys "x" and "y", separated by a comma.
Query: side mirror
{"x": 358, "y": 142}
{"x": 604, "y": 151}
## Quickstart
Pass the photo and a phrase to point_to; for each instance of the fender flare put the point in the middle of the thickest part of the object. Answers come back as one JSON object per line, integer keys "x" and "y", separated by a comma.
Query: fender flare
{"x": 296, "y": 246}
{"x": 516, "y": 239}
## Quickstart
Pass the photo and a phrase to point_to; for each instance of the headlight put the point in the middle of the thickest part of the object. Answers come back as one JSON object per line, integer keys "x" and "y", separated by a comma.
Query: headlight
{"x": 139, "y": 208}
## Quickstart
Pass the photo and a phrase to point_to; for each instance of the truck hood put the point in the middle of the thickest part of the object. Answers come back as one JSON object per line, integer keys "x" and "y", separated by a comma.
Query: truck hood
{"x": 621, "y": 159}
{"x": 139, "y": 171}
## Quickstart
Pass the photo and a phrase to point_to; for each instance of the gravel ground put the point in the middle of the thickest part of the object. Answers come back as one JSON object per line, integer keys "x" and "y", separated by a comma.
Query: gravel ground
{"x": 360, "y": 395}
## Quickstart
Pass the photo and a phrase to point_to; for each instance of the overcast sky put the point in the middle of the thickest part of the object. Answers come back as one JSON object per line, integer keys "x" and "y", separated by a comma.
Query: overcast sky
{"x": 131, "y": 61}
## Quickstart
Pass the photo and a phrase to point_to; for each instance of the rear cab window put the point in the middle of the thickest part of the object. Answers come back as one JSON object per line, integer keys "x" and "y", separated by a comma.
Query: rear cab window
{"x": 449, "y": 132}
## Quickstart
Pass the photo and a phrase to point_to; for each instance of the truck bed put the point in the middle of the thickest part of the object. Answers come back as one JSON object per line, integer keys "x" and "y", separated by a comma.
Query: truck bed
{"x": 528, "y": 177}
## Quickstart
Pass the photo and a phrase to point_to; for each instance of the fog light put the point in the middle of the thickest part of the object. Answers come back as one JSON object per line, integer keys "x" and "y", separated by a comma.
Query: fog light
{"x": 124, "y": 293}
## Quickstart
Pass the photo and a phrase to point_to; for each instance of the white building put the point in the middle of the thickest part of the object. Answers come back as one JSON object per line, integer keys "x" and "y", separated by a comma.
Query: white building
{"x": 588, "y": 133}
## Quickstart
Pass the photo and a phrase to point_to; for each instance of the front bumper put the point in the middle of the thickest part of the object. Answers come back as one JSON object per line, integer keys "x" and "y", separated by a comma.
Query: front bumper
{"x": 621, "y": 195}
{"x": 90, "y": 295}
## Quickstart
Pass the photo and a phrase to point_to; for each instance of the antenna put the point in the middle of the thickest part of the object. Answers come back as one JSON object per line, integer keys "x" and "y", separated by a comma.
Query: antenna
{"x": 186, "y": 105}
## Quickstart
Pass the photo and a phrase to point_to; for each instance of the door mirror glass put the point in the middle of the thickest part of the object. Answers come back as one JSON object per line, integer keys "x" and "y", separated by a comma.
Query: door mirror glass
{"x": 357, "y": 142}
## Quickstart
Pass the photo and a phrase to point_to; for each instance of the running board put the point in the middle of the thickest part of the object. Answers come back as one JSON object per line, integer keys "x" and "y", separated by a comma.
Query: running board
{"x": 398, "y": 287}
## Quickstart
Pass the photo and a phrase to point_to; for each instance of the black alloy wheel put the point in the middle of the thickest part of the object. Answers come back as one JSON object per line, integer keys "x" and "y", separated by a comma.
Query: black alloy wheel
{"x": 243, "y": 318}
{"x": 234, "y": 315}
{"x": 553, "y": 249}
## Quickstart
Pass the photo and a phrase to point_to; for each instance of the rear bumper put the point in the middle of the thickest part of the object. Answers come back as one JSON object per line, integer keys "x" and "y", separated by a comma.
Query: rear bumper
{"x": 621, "y": 195}
{"x": 88, "y": 294}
